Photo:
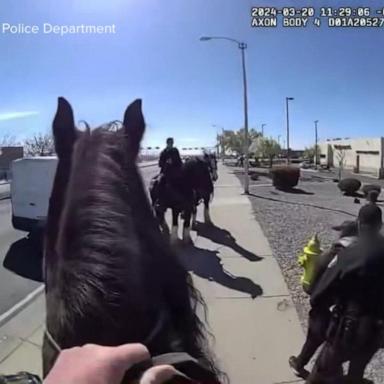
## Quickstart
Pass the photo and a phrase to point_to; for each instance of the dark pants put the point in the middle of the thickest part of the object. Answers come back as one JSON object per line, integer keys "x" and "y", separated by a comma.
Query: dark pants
{"x": 329, "y": 365}
{"x": 358, "y": 351}
{"x": 318, "y": 323}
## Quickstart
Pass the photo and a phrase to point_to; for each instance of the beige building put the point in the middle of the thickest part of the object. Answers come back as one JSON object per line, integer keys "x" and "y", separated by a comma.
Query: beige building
{"x": 359, "y": 155}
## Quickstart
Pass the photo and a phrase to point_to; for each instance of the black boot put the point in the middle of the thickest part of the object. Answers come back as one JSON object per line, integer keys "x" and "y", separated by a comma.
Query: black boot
{"x": 299, "y": 370}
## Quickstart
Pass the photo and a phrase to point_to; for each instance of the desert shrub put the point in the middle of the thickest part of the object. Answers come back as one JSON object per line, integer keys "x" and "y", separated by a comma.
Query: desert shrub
{"x": 285, "y": 177}
{"x": 373, "y": 196}
{"x": 349, "y": 186}
{"x": 370, "y": 187}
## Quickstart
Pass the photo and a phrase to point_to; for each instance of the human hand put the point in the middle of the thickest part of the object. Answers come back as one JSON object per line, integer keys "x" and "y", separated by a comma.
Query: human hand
{"x": 94, "y": 364}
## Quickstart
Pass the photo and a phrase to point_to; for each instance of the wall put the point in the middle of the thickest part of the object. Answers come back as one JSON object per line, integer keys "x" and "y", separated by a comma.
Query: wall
{"x": 370, "y": 152}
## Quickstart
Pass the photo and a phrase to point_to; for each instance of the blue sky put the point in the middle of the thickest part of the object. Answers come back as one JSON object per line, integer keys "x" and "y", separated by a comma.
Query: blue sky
{"x": 335, "y": 76}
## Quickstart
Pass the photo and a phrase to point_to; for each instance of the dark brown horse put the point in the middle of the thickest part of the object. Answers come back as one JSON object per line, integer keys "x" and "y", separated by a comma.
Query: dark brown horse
{"x": 110, "y": 276}
{"x": 183, "y": 194}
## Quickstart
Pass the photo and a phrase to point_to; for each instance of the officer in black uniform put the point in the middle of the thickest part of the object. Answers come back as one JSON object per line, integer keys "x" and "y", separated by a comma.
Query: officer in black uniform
{"x": 319, "y": 316}
{"x": 353, "y": 285}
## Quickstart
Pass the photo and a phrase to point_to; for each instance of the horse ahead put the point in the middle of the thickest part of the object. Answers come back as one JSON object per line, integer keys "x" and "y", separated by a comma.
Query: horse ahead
{"x": 110, "y": 277}
{"x": 182, "y": 194}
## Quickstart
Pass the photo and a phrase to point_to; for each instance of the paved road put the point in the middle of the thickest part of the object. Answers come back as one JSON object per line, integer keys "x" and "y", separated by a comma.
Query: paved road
{"x": 12, "y": 287}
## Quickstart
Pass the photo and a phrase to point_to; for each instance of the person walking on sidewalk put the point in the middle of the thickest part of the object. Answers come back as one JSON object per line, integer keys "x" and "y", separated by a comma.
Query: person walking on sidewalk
{"x": 353, "y": 284}
{"x": 319, "y": 316}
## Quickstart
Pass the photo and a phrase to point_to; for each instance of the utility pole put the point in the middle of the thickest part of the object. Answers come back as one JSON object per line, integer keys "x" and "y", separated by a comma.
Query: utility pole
{"x": 287, "y": 99}
{"x": 262, "y": 129}
{"x": 316, "y": 154}
{"x": 242, "y": 46}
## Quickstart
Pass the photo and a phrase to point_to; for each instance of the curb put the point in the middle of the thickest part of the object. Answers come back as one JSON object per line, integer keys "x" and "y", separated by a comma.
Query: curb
{"x": 5, "y": 194}
{"x": 17, "y": 308}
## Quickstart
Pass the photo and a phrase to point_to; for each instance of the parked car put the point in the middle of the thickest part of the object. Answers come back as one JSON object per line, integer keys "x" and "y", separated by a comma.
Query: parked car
{"x": 305, "y": 164}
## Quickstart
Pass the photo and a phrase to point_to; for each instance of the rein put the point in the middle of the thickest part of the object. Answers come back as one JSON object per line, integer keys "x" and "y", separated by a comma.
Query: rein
{"x": 154, "y": 332}
{"x": 52, "y": 341}
{"x": 188, "y": 368}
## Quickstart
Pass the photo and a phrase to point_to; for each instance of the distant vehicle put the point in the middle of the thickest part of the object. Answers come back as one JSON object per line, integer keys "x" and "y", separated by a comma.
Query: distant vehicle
{"x": 305, "y": 164}
{"x": 324, "y": 161}
{"x": 31, "y": 185}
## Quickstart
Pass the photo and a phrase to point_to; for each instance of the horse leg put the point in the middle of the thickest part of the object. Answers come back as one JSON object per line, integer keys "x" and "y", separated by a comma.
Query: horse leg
{"x": 194, "y": 214}
{"x": 187, "y": 226}
{"x": 207, "y": 216}
{"x": 175, "y": 225}
{"x": 160, "y": 215}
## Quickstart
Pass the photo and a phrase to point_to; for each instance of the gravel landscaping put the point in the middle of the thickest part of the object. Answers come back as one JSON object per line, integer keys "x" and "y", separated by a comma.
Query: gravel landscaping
{"x": 289, "y": 220}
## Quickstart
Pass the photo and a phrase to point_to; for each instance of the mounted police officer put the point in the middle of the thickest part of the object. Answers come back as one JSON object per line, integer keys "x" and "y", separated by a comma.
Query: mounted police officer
{"x": 352, "y": 284}
{"x": 170, "y": 161}
{"x": 169, "y": 181}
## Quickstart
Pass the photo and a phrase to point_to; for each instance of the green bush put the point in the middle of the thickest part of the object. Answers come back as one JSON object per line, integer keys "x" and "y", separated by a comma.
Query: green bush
{"x": 349, "y": 186}
{"x": 285, "y": 177}
{"x": 371, "y": 187}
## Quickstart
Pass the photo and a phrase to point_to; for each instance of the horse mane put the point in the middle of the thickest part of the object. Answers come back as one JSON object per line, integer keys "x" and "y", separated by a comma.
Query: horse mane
{"x": 114, "y": 270}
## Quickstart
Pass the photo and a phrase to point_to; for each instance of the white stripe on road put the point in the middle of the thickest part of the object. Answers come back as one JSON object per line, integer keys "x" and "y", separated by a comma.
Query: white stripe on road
{"x": 5, "y": 317}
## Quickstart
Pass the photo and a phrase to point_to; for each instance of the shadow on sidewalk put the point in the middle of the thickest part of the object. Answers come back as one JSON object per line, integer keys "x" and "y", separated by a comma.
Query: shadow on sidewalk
{"x": 207, "y": 265}
{"x": 294, "y": 191}
{"x": 222, "y": 236}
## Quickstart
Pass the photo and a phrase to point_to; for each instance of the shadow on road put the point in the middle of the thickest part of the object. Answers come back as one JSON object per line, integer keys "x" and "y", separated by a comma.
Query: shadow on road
{"x": 25, "y": 258}
{"x": 207, "y": 265}
{"x": 224, "y": 237}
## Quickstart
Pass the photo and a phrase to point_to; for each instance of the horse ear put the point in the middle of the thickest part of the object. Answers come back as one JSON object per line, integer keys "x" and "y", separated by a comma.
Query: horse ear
{"x": 134, "y": 126}
{"x": 63, "y": 127}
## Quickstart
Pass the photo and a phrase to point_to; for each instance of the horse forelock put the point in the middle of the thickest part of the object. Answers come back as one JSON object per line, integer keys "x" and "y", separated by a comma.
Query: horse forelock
{"x": 96, "y": 241}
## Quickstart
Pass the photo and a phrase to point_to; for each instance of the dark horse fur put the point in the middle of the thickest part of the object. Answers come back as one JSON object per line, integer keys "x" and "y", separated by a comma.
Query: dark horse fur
{"x": 110, "y": 276}
{"x": 183, "y": 194}
{"x": 200, "y": 172}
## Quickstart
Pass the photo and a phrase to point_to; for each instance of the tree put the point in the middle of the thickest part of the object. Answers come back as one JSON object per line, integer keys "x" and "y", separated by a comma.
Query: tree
{"x": 340, "y": 156}
{"x": 267, "y": 147}
{"x": 310, "y": 153}
{"x": 8, "y": 141}
{"x": 235, "y": 140}
{"x": 40, "y": 145}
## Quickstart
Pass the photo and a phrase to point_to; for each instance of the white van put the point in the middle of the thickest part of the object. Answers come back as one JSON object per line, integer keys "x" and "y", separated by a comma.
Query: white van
{"x": 31, "y": 185}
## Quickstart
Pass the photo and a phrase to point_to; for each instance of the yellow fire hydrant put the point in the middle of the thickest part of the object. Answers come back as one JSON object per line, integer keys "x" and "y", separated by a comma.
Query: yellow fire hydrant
{"x": 307, "y": 260}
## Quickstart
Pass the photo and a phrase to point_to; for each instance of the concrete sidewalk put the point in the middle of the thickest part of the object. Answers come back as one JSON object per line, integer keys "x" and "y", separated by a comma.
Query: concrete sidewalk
{"x": 230, "y": 262}
{"x": 253, "y": 337}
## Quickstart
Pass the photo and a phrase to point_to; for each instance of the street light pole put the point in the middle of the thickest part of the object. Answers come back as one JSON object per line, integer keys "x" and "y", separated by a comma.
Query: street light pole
{"x": 242, "y": 46}
{"x": 287, "y": 99}
{"x": 316, "y": 154}
{"x": 262, "y": 129}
